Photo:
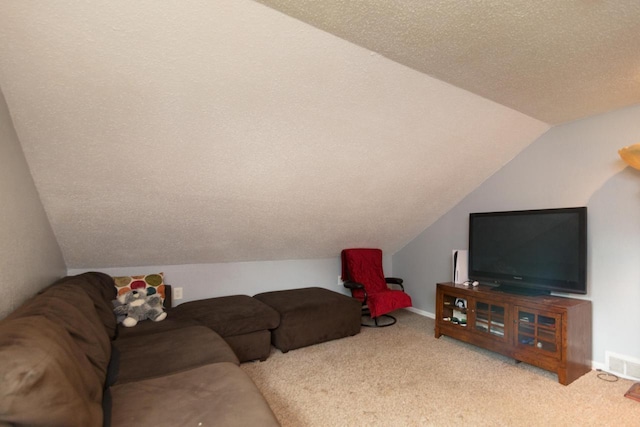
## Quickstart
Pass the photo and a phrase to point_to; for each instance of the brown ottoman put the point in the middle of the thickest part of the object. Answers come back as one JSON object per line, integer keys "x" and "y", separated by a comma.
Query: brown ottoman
{"x": 311, "y": 316}
{"x": 242, "y": 321}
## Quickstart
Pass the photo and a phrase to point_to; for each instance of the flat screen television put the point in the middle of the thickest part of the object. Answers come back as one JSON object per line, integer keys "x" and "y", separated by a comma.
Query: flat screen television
{"x": 530, "y": 252}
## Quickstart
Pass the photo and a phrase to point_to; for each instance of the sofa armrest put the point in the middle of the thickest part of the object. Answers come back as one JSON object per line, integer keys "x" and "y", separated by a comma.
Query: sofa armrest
{"x": 168, "y": 296}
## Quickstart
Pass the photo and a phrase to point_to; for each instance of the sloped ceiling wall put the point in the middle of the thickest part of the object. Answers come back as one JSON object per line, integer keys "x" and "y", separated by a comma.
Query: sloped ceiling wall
{"x": 202, "y": 132}
{"x": 29, "y": 255}
{"x": 553, "y": 60}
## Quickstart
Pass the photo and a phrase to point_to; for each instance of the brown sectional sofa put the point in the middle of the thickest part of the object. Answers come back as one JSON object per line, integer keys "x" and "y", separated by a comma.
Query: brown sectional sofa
{"x": 64, "y": 362}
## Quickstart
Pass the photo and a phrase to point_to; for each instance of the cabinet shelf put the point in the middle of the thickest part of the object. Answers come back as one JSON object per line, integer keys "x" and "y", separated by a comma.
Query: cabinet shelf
{"x": 553, "y": 333}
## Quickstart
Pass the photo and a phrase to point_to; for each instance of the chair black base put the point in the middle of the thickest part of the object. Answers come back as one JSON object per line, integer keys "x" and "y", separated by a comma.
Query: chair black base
{"x": 377, "y": 323}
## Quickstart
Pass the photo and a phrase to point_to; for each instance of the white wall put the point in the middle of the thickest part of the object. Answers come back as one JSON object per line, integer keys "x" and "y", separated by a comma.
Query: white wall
{"x": 29, "y": 254}
{"x": 201, "y": 281}
{"x": 575, "y": 164}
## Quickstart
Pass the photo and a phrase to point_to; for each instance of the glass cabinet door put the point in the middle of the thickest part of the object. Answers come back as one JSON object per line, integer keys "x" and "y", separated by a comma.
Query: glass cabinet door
{"x": 538, "y": 331}
{"x": 490, "y": 319}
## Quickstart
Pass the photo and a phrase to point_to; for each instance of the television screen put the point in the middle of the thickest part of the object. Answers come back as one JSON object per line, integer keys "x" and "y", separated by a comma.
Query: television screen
{"x": 534, "y": 251}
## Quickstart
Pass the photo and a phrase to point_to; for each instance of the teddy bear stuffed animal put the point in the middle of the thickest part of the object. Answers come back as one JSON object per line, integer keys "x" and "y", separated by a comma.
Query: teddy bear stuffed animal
{"x": 135, "y": 306}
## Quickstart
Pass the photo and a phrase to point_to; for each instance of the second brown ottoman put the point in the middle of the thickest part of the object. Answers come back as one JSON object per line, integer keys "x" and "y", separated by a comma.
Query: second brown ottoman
{"x": 311, "y": 316}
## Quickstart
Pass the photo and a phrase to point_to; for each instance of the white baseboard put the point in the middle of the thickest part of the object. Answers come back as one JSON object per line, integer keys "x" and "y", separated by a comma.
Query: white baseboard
{"x": 421, "y": 312}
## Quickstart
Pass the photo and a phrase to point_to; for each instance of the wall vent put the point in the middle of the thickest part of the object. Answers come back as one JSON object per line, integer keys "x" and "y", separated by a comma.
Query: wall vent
{"x": 622, "y": 366}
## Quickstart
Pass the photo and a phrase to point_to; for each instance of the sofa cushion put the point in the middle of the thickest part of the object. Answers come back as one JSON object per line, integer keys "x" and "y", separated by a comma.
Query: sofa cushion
{"x": 163, "y": 353}
{"x": 231, "y": 315}
{"x": 99, "y": 287}
{"x": 73, "y": 310}
{"x": 173, "y": 321}
{"x": 46, "y": 379}
{"x": 219, "y": 394}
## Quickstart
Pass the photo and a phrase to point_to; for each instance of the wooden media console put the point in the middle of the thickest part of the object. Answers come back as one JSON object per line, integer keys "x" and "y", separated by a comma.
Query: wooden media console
{"x": 550, "y": 332}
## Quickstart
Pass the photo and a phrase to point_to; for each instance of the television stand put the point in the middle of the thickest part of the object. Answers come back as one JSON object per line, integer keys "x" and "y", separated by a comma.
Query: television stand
{"x": 550, "y": 332}
{"x": 516, "y": 290}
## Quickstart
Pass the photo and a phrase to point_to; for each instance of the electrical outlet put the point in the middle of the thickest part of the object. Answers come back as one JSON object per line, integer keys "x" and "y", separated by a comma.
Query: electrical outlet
{"x": 340, "y": 282}
{"x": 177, "y": 293}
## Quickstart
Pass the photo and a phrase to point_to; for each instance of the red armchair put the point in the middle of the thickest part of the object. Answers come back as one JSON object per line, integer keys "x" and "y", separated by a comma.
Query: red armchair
{"x": 362, "y": 273}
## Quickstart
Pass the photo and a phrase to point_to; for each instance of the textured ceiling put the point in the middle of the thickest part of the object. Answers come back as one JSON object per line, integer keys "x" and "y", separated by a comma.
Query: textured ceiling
{"x": 552, "y": 60}
{"x": 198, "y": 132}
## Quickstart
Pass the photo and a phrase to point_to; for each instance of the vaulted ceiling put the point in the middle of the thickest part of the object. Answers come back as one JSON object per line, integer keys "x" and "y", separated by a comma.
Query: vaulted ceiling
{"x": 553, "y": 60}
{"x": 213, "y": 131}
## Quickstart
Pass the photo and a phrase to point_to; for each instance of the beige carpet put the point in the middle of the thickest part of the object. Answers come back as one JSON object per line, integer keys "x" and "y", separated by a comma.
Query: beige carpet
{"x": 403, "y": 376}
